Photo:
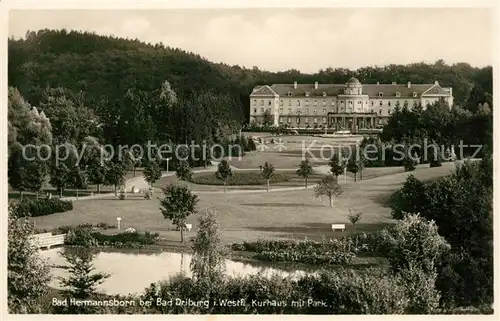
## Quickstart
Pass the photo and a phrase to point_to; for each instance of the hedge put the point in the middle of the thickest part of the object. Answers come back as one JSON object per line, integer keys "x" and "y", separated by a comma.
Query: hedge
{"x": 41, "y": 207}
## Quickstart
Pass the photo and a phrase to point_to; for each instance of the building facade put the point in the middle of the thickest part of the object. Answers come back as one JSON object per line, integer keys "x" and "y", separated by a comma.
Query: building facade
{"x": 350, "y": 106}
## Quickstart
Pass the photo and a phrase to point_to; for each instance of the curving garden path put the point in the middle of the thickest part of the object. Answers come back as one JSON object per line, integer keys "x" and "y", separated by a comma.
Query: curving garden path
{"x": 140, "y": 183}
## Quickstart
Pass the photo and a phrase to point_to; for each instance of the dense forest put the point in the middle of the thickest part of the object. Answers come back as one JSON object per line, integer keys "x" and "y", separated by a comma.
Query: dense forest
{"x": 123, "y": 83}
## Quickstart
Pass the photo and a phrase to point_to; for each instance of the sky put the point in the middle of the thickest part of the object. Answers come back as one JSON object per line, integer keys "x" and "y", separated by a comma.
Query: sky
{"x": 307, "y": 39}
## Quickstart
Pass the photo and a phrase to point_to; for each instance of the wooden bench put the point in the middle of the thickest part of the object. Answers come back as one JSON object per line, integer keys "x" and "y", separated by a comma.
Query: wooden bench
{"x": 340, "y": 227}
{"x": 47, "y": 240}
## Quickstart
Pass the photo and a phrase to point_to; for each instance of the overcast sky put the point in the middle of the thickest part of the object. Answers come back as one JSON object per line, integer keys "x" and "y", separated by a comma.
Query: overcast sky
{"x": 280, "y": 39}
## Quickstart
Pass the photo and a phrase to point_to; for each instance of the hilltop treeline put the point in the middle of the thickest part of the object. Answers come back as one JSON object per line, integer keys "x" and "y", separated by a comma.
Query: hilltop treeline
{"x": 121, "y": 80}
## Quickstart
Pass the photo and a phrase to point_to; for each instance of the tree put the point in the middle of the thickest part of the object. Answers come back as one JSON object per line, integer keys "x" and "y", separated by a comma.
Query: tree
{"x": 337, "y": 165}
{"x": 178, "y": 204}
{"x": 436, "y": 156}
{"x": 115, "y": 174}
{"x": 28, "y": 173}
{"x": 461, "y": 206}
{"x": 184, "y": 171}
{"x": 77, "y": 179}
{"x": 305, "y": 170}
{"x": 354, "y": 217}
{"x": 353, "y": 166}
{"x": 409, "y": 199}
{"x": 27, "y": 126}
{"x": 414, "y": 248}
{"x": 59, "y": 177}
{"x": 96, "y": 173}
{"x": 329, "y": 187}
{"x": 409, "y": 161}
{"x": 268, "y": 173}
{"x": 27, "y": 274}
{"x": 82, "y": 283}
{"x": 71, "y": 119}
{"x": 267, "y": 118}
{"x": 223, "y": 172}
{"x": 208, "y": 262}
{"x": 152, "y": 172}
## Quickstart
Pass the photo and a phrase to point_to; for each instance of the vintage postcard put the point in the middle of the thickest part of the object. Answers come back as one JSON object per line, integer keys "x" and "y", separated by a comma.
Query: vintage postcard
{"x": 249, "y": 158}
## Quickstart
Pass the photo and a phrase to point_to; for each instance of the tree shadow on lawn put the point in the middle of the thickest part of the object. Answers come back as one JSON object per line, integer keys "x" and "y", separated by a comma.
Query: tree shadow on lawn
{"x": 316, "y": 230}
{"x": 282, "y": 205}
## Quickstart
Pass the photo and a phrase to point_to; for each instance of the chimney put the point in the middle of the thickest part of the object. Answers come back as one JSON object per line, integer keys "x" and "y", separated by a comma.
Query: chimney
{"x": 393, "y": 82}
{"x": 409, "y": 84}
{"x": 378, "y": 83}
{"x": 294, "y": 85}
{"x": 315, "y": 85}
{"x": 436, "y": 82}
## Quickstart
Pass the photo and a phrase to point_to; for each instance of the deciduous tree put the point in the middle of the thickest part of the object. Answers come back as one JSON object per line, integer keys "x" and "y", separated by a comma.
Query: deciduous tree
{"x": 28, "y": 275}
{"x": 305, "y": 170}
{"x": 268, "y": 172}
{"x": 329, "y": 187}
{"x": 223, "y": 172}
{"x": 179, "y": 203}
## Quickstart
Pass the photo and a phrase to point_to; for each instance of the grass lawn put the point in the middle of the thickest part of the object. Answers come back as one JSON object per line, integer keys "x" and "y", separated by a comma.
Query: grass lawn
{"x": 250, "y": 216}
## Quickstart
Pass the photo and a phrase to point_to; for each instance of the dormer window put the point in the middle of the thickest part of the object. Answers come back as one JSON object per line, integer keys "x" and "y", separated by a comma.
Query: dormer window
{"x": 307, "y": 94}
{"x": 380, "y": 94}
{"x": 324, "y": 94}
{"x": 289, "y": 93}
{"x": 414, "y": 95}
{"x": 398, "y": 94}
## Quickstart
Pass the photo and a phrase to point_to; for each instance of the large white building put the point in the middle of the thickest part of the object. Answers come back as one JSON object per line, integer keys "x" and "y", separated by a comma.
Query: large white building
{"x": 351, "y": 106}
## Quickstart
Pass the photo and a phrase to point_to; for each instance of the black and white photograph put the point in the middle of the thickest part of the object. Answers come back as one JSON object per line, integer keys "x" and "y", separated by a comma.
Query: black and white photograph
{"x": 246, "y": 158}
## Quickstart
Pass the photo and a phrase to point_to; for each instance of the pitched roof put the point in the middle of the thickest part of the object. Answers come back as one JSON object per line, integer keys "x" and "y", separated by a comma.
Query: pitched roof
{"x": 371, "y": 90}
{"x": 263, "y": 91}
{"x": 435, "y": 90}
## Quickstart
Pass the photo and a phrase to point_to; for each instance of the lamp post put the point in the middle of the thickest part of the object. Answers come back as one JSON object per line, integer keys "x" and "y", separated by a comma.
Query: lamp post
{"x": 118, "y": 219}
{"x": 168, "y": 159}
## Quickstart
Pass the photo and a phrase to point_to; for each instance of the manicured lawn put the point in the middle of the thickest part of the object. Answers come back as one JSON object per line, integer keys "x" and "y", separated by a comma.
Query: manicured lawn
{"x": 239, "y": 178}
{"x": 253, "y": 215}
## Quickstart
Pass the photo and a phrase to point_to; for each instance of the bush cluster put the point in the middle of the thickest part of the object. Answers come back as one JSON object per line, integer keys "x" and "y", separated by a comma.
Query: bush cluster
{"x": 331, "y": 251}
{"x": 240, "y": 178}
{"x": 86, "y": 235}
{"x": 41, "y": 207}
{"x": 340, "y": 292}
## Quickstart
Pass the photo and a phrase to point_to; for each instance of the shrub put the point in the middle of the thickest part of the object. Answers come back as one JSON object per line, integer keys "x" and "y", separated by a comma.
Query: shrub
{"x": 328, "y": 252}
{"x": 41, "y": 207}
{"x": 409, "y": 199}
{"x": 86, "y": 235}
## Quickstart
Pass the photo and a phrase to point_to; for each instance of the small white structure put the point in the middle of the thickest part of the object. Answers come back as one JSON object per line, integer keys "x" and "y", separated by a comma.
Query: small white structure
{"x": 135, "y": 190}
{"x": 188, "y": 227}
{"x": 118, "y": 219}
{"x": 340, "y": 227}
{"x": 130, "y": 230}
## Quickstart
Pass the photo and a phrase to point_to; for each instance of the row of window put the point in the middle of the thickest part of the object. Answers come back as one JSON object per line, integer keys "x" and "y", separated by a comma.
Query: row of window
{"x": 315, "y": 112}
{"x": 398, "y": 103}
{"x": 306, "y": 121}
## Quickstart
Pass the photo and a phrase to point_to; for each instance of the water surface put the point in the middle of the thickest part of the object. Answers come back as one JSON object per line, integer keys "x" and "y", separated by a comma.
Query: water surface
{"x": 133, "y": 272}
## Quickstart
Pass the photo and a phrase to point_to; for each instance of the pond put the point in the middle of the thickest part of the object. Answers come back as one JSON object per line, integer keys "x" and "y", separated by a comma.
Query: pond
{"x": 133, "y": 271}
